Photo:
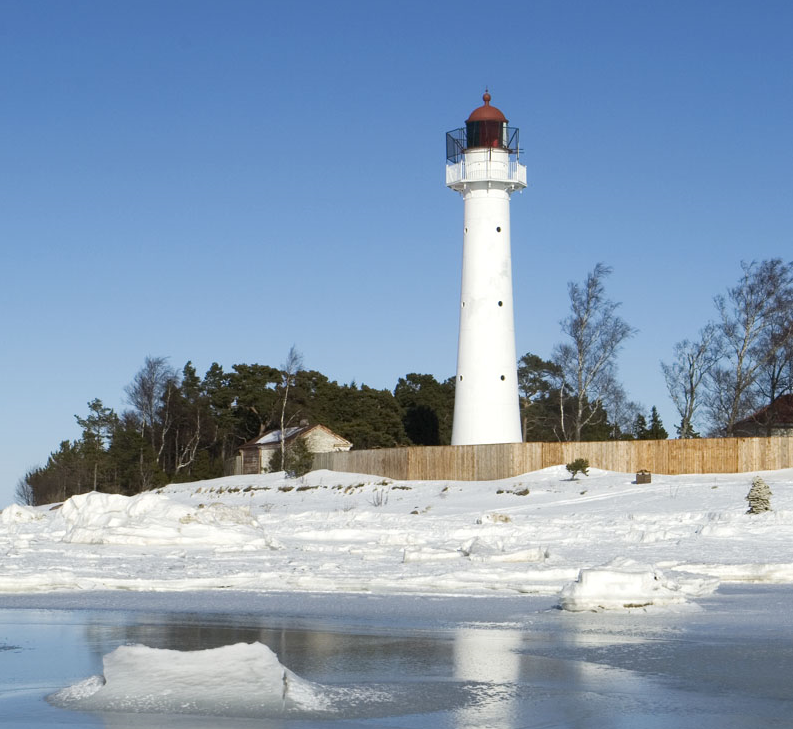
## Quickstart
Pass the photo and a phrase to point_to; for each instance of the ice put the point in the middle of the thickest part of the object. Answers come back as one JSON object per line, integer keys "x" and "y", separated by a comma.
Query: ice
{"x": 245, "y": 680}
{"x": 624, "y": 583}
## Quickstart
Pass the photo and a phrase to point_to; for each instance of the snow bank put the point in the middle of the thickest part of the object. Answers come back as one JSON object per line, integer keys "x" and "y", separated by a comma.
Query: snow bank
{"x": 243, "y": 680}
{"x": 327, "y": 532}
{"x": 624, "y": 583}
{"x": 154, "y": 519}
{"x": 16, "y": 514}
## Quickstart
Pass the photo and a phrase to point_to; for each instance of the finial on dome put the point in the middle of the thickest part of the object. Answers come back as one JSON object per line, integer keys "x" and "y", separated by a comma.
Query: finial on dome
{"x": 486, "y": 97}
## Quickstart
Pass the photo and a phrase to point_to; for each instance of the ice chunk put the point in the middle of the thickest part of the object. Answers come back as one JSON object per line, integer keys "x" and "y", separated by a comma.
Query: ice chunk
{"x": 624, "y": 583}
{"x": 245, "y": 680}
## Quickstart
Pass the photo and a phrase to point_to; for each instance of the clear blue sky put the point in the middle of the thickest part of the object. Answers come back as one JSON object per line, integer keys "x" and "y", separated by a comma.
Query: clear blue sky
{"x": 215, "y": 181}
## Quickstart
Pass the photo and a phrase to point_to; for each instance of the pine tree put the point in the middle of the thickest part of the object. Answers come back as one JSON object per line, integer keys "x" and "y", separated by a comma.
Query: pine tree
{"x": 686, "y": 431}
{"x": 640, "y": 431}
{"x": 656, "y": 431}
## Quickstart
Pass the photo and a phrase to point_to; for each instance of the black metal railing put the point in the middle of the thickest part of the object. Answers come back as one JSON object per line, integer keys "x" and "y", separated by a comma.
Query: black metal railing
{"x": 457, "y": 143}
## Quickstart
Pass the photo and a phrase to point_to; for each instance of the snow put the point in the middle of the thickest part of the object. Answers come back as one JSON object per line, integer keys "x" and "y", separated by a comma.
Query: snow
{"x": 597, "y": 543}
{"x": 240, "y": 680}
{"x": 274, "y": 436}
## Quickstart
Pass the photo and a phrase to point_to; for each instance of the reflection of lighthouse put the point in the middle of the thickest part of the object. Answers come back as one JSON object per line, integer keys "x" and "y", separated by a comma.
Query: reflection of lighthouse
{"x": 482, "y": 165}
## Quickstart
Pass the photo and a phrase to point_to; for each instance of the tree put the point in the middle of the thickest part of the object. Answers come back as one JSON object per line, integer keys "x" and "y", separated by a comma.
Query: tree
{"x": 135, "y": 465}
{"x": 536, "y": 379}
{"x": 755, "y": 326}
{"x": 98, "y": 428}
{"x": 253, "y": 398}
{"x": 289, "y": 369}
{"x": 656, "y": 431}
{"x": 428, "y": 407}
{"x": 640, "y": 431}
{"x": 588, "y": 362}
{"x": 692, "y": 363}
{"x": 150, "y": 394}
{"x": 190, "y": 420}
{"x": 23, "y": 494}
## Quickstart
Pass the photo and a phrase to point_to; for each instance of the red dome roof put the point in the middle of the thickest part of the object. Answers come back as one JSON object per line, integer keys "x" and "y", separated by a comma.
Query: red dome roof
{"x": 486, "y": 112}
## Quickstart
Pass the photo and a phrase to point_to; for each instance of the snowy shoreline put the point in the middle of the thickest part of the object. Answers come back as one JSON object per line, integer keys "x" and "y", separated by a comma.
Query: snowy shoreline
{"x": 598, "y": 542}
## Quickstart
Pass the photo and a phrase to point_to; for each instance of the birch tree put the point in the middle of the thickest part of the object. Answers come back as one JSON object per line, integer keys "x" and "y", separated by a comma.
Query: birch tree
{"x": 755, "y": 326}
{"x": 685, "y": 374}
{"x": 589, "y": 361}
{"x": 289, "y": 370}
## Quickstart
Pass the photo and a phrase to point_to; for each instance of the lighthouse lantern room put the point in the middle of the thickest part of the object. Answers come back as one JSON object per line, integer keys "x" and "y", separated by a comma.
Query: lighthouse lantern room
{"x": 482, "y": 165}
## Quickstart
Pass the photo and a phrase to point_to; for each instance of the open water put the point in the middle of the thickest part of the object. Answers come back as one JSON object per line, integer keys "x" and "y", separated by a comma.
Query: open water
{"x": 505, "y": 663}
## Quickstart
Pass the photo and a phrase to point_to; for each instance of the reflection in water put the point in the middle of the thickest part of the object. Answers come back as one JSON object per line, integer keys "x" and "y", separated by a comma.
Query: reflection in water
{"x": 491, "y": 660}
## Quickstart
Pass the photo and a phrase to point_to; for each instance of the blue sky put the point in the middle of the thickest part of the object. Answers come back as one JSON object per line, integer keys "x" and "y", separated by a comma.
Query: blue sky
{"x": 216, "y": 181}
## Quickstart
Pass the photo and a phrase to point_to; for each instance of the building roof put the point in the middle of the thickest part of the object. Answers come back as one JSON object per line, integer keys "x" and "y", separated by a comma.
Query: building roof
{"x": 272, "y": 438}
{"x": 486, "y": 112}
{"x": 779, "y": 412}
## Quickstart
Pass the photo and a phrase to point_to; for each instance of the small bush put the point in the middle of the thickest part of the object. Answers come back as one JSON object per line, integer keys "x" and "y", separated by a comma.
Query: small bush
{"x": 298, "y": 460}
{"x": 759, "y": 496}
{"x": 579, "y": 465}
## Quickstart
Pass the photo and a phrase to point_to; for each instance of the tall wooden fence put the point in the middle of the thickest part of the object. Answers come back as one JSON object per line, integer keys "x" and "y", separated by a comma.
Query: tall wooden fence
{"x": 490, "y": 462}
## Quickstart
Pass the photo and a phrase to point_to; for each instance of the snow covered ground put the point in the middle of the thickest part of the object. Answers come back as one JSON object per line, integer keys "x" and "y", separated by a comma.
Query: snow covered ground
{"x": 598, "y": 542}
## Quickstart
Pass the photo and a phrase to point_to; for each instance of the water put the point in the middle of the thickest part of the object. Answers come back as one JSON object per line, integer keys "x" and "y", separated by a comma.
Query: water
{"x": 411, "y": 662}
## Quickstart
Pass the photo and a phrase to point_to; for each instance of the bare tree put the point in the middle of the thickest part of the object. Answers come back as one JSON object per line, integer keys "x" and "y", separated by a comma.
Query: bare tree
{"x": 755, "y": 327}
{"x": 588, "y": 362}
{"x": 289, "y": 370}
{"x": 23, "y": 494}
{"x": 150, "y": 394}
{"x": 684, "y": 376}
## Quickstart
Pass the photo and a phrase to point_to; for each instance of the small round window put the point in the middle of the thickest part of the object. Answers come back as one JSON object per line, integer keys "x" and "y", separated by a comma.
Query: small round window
{"x": 498, "y": 229}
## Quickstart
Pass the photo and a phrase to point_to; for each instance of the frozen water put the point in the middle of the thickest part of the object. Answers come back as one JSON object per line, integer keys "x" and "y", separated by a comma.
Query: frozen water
{"x": 413, "y": 663}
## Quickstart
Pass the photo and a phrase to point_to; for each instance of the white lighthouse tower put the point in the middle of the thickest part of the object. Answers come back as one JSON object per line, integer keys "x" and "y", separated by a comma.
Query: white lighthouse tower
{"x": 482, "y": 165}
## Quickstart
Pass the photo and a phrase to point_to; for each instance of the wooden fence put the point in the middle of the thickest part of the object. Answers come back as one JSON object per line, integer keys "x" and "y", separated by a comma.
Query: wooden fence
{"x": 491, "y": 462}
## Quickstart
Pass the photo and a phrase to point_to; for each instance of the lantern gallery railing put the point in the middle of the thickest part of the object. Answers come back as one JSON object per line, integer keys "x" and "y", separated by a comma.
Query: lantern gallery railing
{"x": 458, "y": 142}
{"x": 507, "y": 170}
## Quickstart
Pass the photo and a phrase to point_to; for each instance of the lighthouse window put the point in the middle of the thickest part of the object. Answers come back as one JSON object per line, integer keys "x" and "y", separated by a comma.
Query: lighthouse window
{"x": 503, "y": 378}
{"x": 461, "y": 378}
{"x": 465, "y": 230}
{"x": 498, "y": 229}
{"x": 501, "y": 303}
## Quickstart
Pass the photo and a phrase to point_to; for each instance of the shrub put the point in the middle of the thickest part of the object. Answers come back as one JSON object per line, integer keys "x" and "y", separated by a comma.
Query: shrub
{"x": 298, "y": 459}
{"x": 579, "y": 465}
{"x": 759, "y": 496}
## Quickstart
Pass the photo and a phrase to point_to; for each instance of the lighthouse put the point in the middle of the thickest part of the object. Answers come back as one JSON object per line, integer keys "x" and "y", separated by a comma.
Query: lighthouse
{"x": 482, "y": 165}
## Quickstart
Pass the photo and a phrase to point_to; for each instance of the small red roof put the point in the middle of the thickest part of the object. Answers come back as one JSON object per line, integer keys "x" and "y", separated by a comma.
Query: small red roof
{"x": 486, "y": 112}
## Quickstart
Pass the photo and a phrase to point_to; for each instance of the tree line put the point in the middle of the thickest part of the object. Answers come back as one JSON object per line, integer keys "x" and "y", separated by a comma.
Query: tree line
{"x": 180, "y": 426}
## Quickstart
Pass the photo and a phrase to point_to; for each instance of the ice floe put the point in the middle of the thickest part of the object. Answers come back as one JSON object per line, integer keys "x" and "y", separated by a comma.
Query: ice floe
{"x": 245, "y": 680}
{"x": 624, "y": 583}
